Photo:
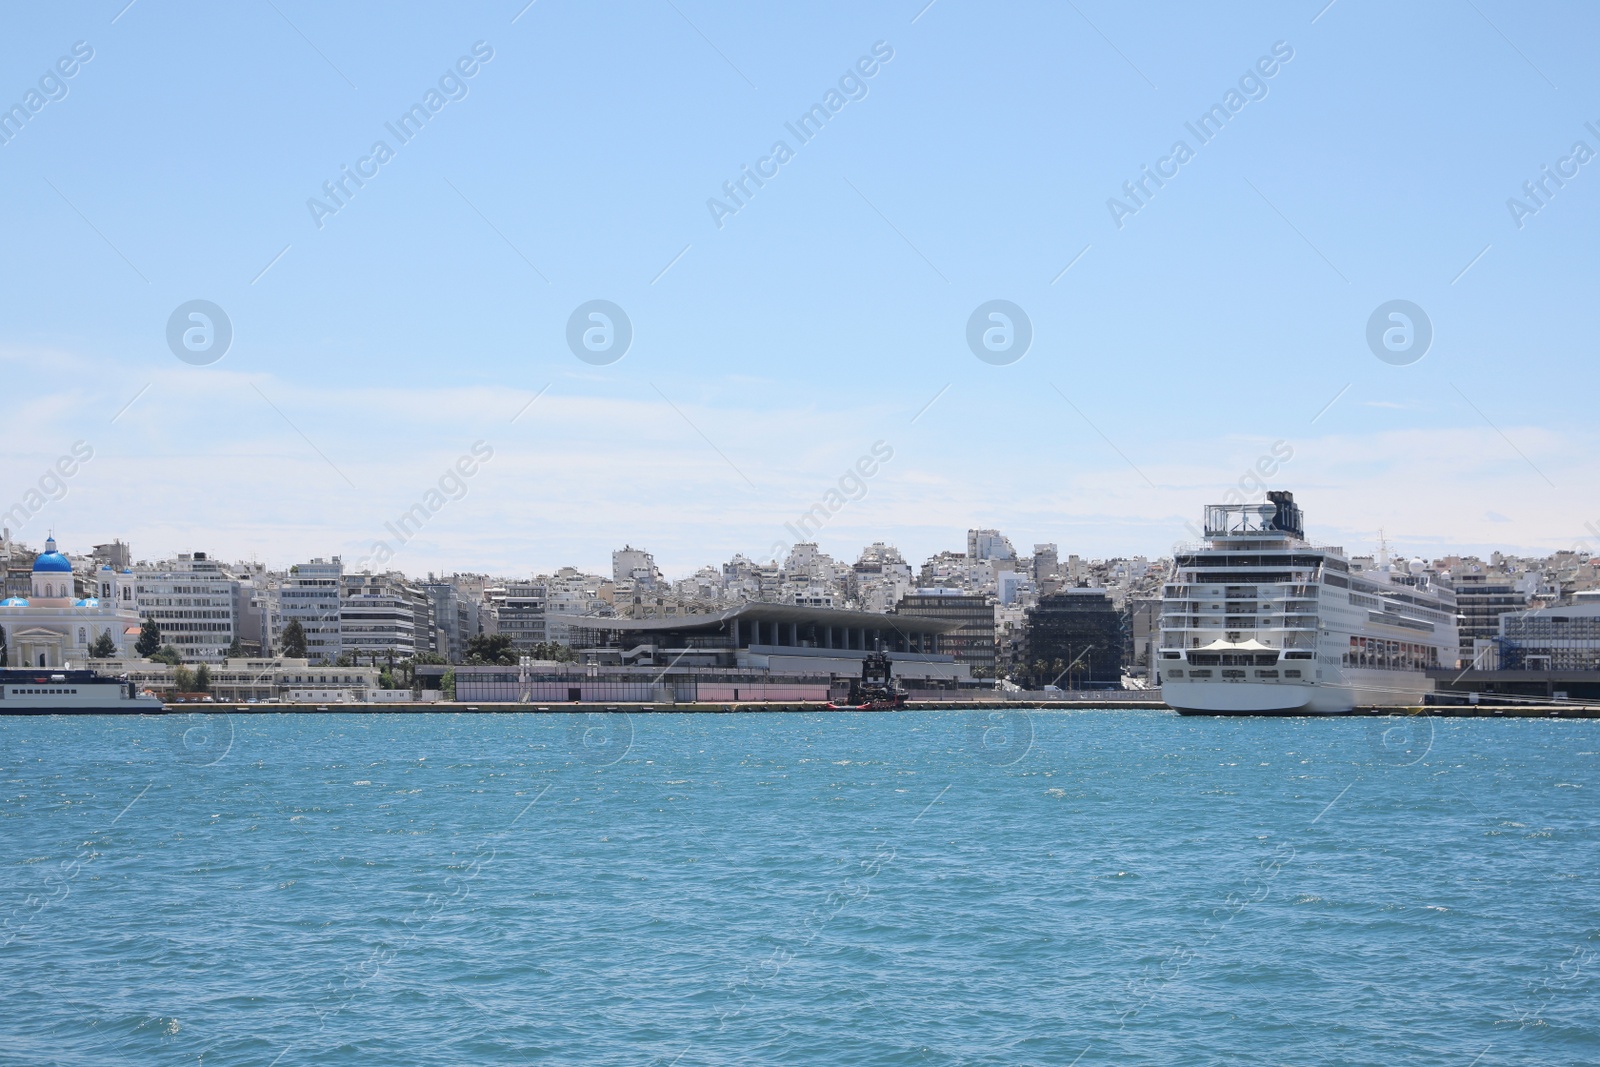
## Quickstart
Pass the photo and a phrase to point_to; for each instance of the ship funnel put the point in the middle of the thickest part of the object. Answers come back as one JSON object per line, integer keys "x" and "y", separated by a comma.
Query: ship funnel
{"x": 1288, "y": 517}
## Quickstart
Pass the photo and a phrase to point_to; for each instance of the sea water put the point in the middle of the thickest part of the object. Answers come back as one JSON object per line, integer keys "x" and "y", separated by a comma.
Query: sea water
{"x": 913, "y": 888}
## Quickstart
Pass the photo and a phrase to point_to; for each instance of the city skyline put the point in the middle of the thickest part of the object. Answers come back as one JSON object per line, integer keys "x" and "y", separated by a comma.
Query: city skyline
{"x": 1020, "y": 547}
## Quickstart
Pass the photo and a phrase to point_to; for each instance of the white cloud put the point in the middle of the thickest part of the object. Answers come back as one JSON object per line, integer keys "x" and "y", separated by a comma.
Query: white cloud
{"x": 201, "y": 461}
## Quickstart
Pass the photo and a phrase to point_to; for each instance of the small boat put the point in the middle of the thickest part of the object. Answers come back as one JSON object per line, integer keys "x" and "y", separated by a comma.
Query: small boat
{"x": 48, "y": 691}
{"x": 875, "y": 691}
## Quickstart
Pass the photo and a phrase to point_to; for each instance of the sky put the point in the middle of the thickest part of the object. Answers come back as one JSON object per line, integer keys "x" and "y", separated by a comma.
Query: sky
{"x": 784, "y": 338}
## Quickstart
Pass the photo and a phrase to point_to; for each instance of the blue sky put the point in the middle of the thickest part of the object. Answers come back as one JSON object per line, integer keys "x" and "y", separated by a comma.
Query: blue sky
{"x": 371, "y": 352}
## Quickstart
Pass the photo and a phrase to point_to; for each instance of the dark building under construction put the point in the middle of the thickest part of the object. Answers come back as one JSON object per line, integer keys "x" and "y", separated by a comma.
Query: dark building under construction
{"x": 1075, "y": 641}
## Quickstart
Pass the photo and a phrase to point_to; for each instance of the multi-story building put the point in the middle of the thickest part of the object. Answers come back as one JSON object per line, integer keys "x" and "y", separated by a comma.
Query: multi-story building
{"x": 1046, "y": 562}
{"x": 456, "y": 617}
{"x": 1481, "y": 598}
{"x": 973, "y": 643}
{"x": 192, "y": 600}
{"x": 989, "y": 544}
{"x": 116, "y": 555}
{"x": 517, "y": 611}
{"x": 384, "y": 615}
{"x": 569, "y": 595}
{"x": 954, "y": 570}
{"x": 253, "y": 599}
{"x": 629, "y": 564}
{"x": 310, "y": 594}
{"x": 1010, "y": 639}
{"x": 1565, "y": 637}
{"x": 1075, "y": 640}
{"x": 1012, "y": 587}
{"x": 1144, "y": 634}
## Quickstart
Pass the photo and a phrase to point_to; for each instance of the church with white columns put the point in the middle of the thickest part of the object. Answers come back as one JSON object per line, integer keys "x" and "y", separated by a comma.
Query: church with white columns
{"x": 54, "y": 627}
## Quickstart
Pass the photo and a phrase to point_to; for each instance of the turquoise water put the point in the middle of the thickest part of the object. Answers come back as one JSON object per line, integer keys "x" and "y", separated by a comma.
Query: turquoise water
{"x": 908, "y": 888}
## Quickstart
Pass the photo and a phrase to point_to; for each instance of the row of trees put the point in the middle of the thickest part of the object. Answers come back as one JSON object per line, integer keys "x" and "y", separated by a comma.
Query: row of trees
{"x": 495, "y": 649}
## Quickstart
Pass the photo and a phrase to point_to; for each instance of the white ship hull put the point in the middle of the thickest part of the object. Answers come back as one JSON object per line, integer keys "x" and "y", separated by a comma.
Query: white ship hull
{"x": 1356, "y": 689}
{"x": 45, "y": 692}
{"x": 1247, "y": 698}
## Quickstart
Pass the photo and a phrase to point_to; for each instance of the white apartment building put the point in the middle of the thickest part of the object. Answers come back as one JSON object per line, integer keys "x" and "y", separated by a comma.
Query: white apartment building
{"x": 381, "y": 614}
{"x": 629, "y": 564}
{"x": 989, "y": 544}
{"x": 570, "y": 595}
{"x": 518, "y": 612}
{"x": 310, "y": 594}
{"x": 192, "y": 600}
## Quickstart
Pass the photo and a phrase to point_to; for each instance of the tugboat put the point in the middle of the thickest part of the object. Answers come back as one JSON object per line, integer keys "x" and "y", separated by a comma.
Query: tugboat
{"x": 875, "y": 691}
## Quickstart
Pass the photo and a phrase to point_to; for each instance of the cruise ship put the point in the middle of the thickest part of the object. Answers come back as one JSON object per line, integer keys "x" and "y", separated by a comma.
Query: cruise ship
{"x": 45, "y": 691}
{"x": 1258, "y": 621}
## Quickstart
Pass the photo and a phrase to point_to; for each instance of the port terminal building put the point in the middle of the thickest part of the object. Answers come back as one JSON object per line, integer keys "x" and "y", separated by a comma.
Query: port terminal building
{"x": 756, "y": 651}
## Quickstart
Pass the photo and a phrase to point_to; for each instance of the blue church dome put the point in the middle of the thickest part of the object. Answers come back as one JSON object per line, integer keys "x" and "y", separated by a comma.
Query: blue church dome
{"x": 90, "y": 602}
{"x": 13, "y": 602}
{"x": 51, "y": 561}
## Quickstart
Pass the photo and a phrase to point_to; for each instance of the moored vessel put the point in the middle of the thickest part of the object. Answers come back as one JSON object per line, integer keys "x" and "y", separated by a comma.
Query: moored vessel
{"x": 46, "y": 691}
{"x": 875, "y": 690}
{"x": 1258, "y": 620}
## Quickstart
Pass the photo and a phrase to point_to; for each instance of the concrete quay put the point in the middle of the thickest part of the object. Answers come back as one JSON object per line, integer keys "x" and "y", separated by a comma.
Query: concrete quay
{"x": 1515, "y": 711}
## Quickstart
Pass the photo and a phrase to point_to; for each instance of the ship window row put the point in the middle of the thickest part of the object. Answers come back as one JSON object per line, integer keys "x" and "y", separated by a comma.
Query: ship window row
{"x": 20, "y": 692}
{"x": 1268, "y": 559}
{"x": 1291, "y": 673}
{"x": 1391, "y": 619}
{"x": 1245, "y": 577}
{"x": 1383, "y": 654}
{"x": 1232, "y": 659}
{"x": 1232, "y": 674}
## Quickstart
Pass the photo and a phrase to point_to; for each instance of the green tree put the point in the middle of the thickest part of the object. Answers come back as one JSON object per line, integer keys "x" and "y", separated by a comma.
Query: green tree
{"x": 149, "y": 642}
{"x": 202, "y": 679}
{"x": 104, "y": 646}
{"x": 183, "y": 679}
{"x": 294, "y": 640}
{"x": 447, "y": 684}
{"x": 166, "y": 654}
{"x": 386, "y": 679}
{"x": 235, "y": 649}
{"x": 3, "y": 653}
{"x": 490, "y": 649}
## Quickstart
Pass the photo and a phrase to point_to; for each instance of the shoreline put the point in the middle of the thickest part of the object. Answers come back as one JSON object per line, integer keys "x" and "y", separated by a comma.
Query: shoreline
{"x": 1466, "y": 711}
